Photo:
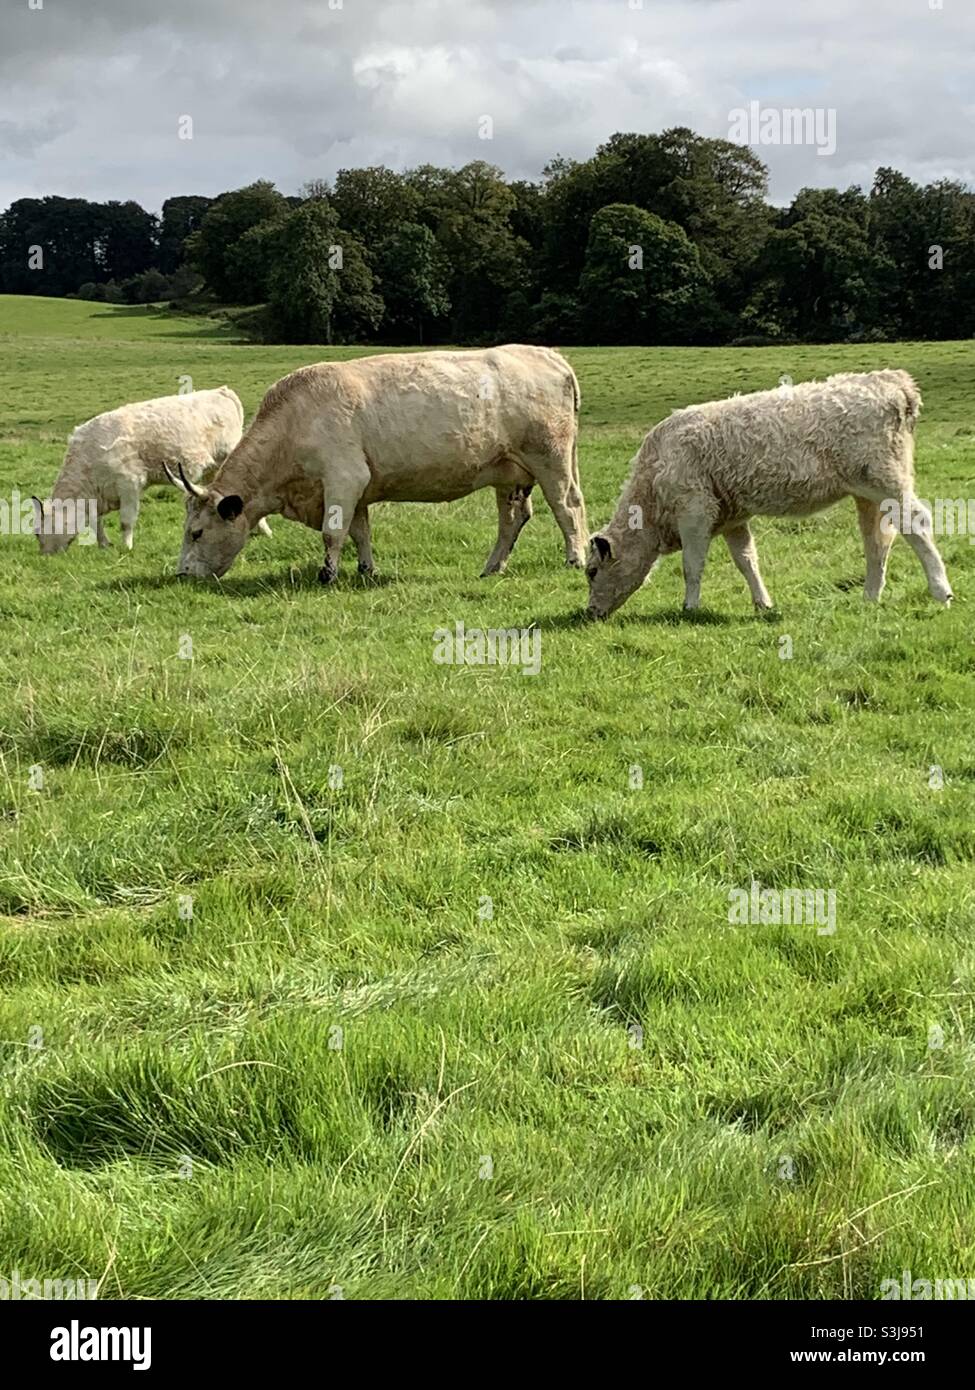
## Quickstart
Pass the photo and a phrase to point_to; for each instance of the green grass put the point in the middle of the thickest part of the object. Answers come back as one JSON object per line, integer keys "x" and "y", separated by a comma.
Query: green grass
{"x": 34, "y": 316}
{"x": 340, "y": 1072}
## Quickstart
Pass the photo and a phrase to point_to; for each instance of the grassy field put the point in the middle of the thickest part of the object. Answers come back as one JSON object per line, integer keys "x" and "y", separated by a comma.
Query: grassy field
{"x": 474, "y": 1023}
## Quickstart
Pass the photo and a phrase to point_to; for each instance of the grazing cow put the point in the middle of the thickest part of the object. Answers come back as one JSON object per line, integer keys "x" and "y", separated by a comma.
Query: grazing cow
{"x": 114, "y": 457}
{"x": 706, "y": 470}
{"x": 400, "y": 427}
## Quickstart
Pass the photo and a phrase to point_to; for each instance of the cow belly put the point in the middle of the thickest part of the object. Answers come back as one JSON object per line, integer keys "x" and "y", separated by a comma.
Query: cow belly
{"x": 441, "y": 479}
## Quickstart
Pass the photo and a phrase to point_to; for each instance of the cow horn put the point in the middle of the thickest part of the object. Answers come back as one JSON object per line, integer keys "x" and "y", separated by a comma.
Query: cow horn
{"x": 169, "y": 474}
{"x": 196, "y": 492}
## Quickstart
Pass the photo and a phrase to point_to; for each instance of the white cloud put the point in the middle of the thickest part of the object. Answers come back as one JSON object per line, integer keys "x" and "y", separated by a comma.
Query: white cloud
{"x": 90, "y": 96}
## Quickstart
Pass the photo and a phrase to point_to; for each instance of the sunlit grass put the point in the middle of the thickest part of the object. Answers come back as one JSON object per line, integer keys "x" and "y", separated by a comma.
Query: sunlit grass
{"x": 474, "y": 1023}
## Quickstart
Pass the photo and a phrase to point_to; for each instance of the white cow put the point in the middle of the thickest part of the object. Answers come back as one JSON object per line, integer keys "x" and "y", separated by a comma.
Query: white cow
{"x": 399, "y": 427}
{"x": 706, "y": 470}
{"x": 114, "y": 457}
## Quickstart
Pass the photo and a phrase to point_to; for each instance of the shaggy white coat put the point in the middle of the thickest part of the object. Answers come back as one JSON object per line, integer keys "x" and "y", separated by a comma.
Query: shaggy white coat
{"x": 707, "y": 469}
{"x": 112, "y": 458}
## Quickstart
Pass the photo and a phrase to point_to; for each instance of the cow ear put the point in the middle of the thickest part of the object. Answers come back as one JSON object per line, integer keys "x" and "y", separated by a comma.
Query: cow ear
{"x": 230, "y": 508}
{"x": 603, "y": 547}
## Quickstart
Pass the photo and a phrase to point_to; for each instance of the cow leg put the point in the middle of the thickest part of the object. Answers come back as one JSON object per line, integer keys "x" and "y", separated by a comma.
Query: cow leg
{"x": 362, "y": 538}
{"x": 555, "y": 476}
{"x": 877, "y": 540}
{"x": 918, "y": 534}
{"x": 695, "y": 538}
{"x": 130, "y": 495}
{"x": 514, "y": 510}
{"x": 741, "y": 543}
{"x": 341, "y": 494}
{"x": 100, "y": 533}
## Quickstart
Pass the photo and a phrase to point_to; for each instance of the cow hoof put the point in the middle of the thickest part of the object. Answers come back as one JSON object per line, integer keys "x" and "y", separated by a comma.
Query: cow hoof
{"x": 366, "y": 569}
{"x": 326, "y": 575}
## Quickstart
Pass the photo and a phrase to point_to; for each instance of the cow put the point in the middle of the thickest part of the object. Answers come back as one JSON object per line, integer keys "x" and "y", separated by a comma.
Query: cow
{"x": 399, "y": 427}
{"x": 114, "y": 457}
{"x": 706, "y": 470}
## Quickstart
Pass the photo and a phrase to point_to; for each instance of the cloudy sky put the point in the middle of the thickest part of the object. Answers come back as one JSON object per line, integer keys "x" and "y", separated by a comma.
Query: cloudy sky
{"x": 92, "y": 91}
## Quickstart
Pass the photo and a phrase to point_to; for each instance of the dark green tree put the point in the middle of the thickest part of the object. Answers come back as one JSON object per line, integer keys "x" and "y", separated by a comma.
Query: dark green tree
{"x": 127, "y": 240}
{"x": 181, "y": 217}
{"x": 212, "y": 248}
{"x": 640, "y": 280}
{"x": 820, "y": 267}
{"x": 320, "y": 286}
{"x": 413, "y": 274}
{"x": 69, "y": 233}
{"x": 469, "y": 210}
{"x": 372, "y": 203}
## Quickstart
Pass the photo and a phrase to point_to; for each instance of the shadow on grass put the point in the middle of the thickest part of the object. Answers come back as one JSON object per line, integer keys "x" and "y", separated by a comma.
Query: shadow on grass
{"x": 298, "y": 578}
{"x": 663, "y": 617}
{"x": 183, "y": 325}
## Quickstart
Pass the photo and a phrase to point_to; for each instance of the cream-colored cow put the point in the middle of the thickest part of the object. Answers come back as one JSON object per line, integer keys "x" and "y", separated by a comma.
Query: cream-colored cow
{"x": 706, "y": 470}
{"x": 399, "y": 427}
{"x": 114, "y": 457}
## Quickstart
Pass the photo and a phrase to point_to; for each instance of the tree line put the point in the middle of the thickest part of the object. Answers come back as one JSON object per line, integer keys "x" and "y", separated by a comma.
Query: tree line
{"x": 660, "y": 238}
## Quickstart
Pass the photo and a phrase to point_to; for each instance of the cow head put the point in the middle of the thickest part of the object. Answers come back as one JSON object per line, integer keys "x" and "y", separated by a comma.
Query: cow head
{"x": 54, "y": 524}
{"x": 616, "y": 566}
{"x": 215, "y": 533}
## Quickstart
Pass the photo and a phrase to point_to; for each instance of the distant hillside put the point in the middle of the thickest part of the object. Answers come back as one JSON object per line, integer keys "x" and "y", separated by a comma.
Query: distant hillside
{"x": 26, "y": 315}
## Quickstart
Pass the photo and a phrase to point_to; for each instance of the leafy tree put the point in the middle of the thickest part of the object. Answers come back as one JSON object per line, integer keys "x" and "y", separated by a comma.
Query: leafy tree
{"x": 252, "y": 258}
{"x": 212, "y": 249}
{"x": 469, "y": 211}
{"x": 372, "y": 203}
{"x": 311, "y": 297}
{"x": 527, "y": 215}
{"x": 68, "y": 231}
{"x": 126, "y": 244}
{"x": 640, "y": 278}
{"x": 358, "y": 308}
{"x": 181, "y": 217}
{"x": 413, "y": 275}
{"x": 822, "y": 268}
{"x": 148, "y": 288}
{"x": 713, "y": 189}
{"x": 184, "y": 282}
{"x": 557, "y": 319}
{"x": 945, "y": 295}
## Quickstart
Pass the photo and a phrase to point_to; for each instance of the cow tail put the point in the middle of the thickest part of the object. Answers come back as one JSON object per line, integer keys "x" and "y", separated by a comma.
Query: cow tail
{"x": 580, "y": 500}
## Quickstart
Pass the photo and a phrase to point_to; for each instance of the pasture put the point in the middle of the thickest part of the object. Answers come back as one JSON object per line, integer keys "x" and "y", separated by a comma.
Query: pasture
{"x": 468, "y": 1019}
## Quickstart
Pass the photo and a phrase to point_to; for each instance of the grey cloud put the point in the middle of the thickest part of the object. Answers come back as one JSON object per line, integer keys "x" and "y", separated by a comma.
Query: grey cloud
{"x": 90, "y": 96}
